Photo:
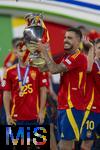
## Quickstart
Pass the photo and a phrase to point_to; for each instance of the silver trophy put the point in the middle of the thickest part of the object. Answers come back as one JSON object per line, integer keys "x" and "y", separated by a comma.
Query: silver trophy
{"x": 33, "y": 33}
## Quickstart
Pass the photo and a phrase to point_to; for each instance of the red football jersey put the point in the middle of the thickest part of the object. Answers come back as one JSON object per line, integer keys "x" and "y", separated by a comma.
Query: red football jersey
{"x": 92, "y": 96}
{"x": 25, "y": 107}
{"x": 71, "y": 92}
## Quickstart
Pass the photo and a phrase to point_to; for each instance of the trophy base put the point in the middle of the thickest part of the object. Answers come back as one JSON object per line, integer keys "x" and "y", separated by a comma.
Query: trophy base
{"x": 38, "y": 62}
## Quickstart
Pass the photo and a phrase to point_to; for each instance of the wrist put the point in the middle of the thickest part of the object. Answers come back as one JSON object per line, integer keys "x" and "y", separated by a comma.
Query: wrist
{"x": 8, "y": 115}
{"x": 41, "y": 111}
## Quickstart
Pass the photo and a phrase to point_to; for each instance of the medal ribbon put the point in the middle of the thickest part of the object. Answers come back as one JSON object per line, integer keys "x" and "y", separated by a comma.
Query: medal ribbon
{"x": 21, "y": 81}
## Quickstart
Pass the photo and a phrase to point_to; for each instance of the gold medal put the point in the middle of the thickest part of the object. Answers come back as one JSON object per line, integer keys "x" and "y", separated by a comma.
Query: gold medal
{"x": 21, "y": 81}
{"x": 21, "y": 94}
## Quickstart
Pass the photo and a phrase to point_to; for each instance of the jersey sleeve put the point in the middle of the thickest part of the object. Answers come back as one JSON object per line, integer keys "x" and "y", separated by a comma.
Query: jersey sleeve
{"x": 75, "y": 62}
{"x": 44, "y": 79}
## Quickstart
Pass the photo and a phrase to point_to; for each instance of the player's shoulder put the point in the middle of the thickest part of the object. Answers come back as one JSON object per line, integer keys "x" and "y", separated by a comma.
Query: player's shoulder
{"x": 79, "y": 55}
{"x": 11, "y": 68}
{"x": 9, "y": 71}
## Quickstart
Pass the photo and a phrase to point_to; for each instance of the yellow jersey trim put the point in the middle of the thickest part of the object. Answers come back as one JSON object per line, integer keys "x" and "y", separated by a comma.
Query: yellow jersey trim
{"x": 69, "y": 99}
{"x": 73, "y": 123}
{"x": 76, "y": 54}
{"x": 12, "y": 67}
{"x": 86, "y": 114}
{"x": 80, "y": 79}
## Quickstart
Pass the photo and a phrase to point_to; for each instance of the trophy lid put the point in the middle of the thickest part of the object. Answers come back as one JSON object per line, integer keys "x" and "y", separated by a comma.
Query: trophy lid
{"x": 34, "y": 19}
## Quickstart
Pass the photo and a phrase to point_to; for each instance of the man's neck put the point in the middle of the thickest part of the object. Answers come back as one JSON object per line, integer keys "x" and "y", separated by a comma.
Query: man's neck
{"x": 71, "y": 52}
{"x": 23, "y": 65}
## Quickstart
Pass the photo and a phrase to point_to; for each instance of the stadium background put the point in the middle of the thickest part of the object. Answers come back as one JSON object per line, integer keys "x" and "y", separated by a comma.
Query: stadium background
{"x": 58, "y": 14}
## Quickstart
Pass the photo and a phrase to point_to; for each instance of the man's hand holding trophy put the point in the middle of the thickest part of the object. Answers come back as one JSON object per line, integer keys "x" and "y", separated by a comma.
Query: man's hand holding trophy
{"x": 35, "y": 32}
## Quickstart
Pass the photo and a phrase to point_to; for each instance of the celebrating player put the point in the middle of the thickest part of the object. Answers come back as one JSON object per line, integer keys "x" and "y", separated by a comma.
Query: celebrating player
{"x": 26, "y": 86}
{"x": 91, "y": 128}
{"x": 72, "y": 66}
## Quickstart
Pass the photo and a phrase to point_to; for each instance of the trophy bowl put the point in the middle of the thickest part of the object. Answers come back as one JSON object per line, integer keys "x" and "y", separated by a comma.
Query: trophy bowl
{"x": 32, "y": 35}
{"x": 34, "y": 32}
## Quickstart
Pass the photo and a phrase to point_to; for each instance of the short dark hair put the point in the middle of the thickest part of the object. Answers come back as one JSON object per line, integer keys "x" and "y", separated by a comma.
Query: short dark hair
{"x": 97, "y": 41}
{"x": 77, "y": 31}
{"x": 16, "y": 40}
